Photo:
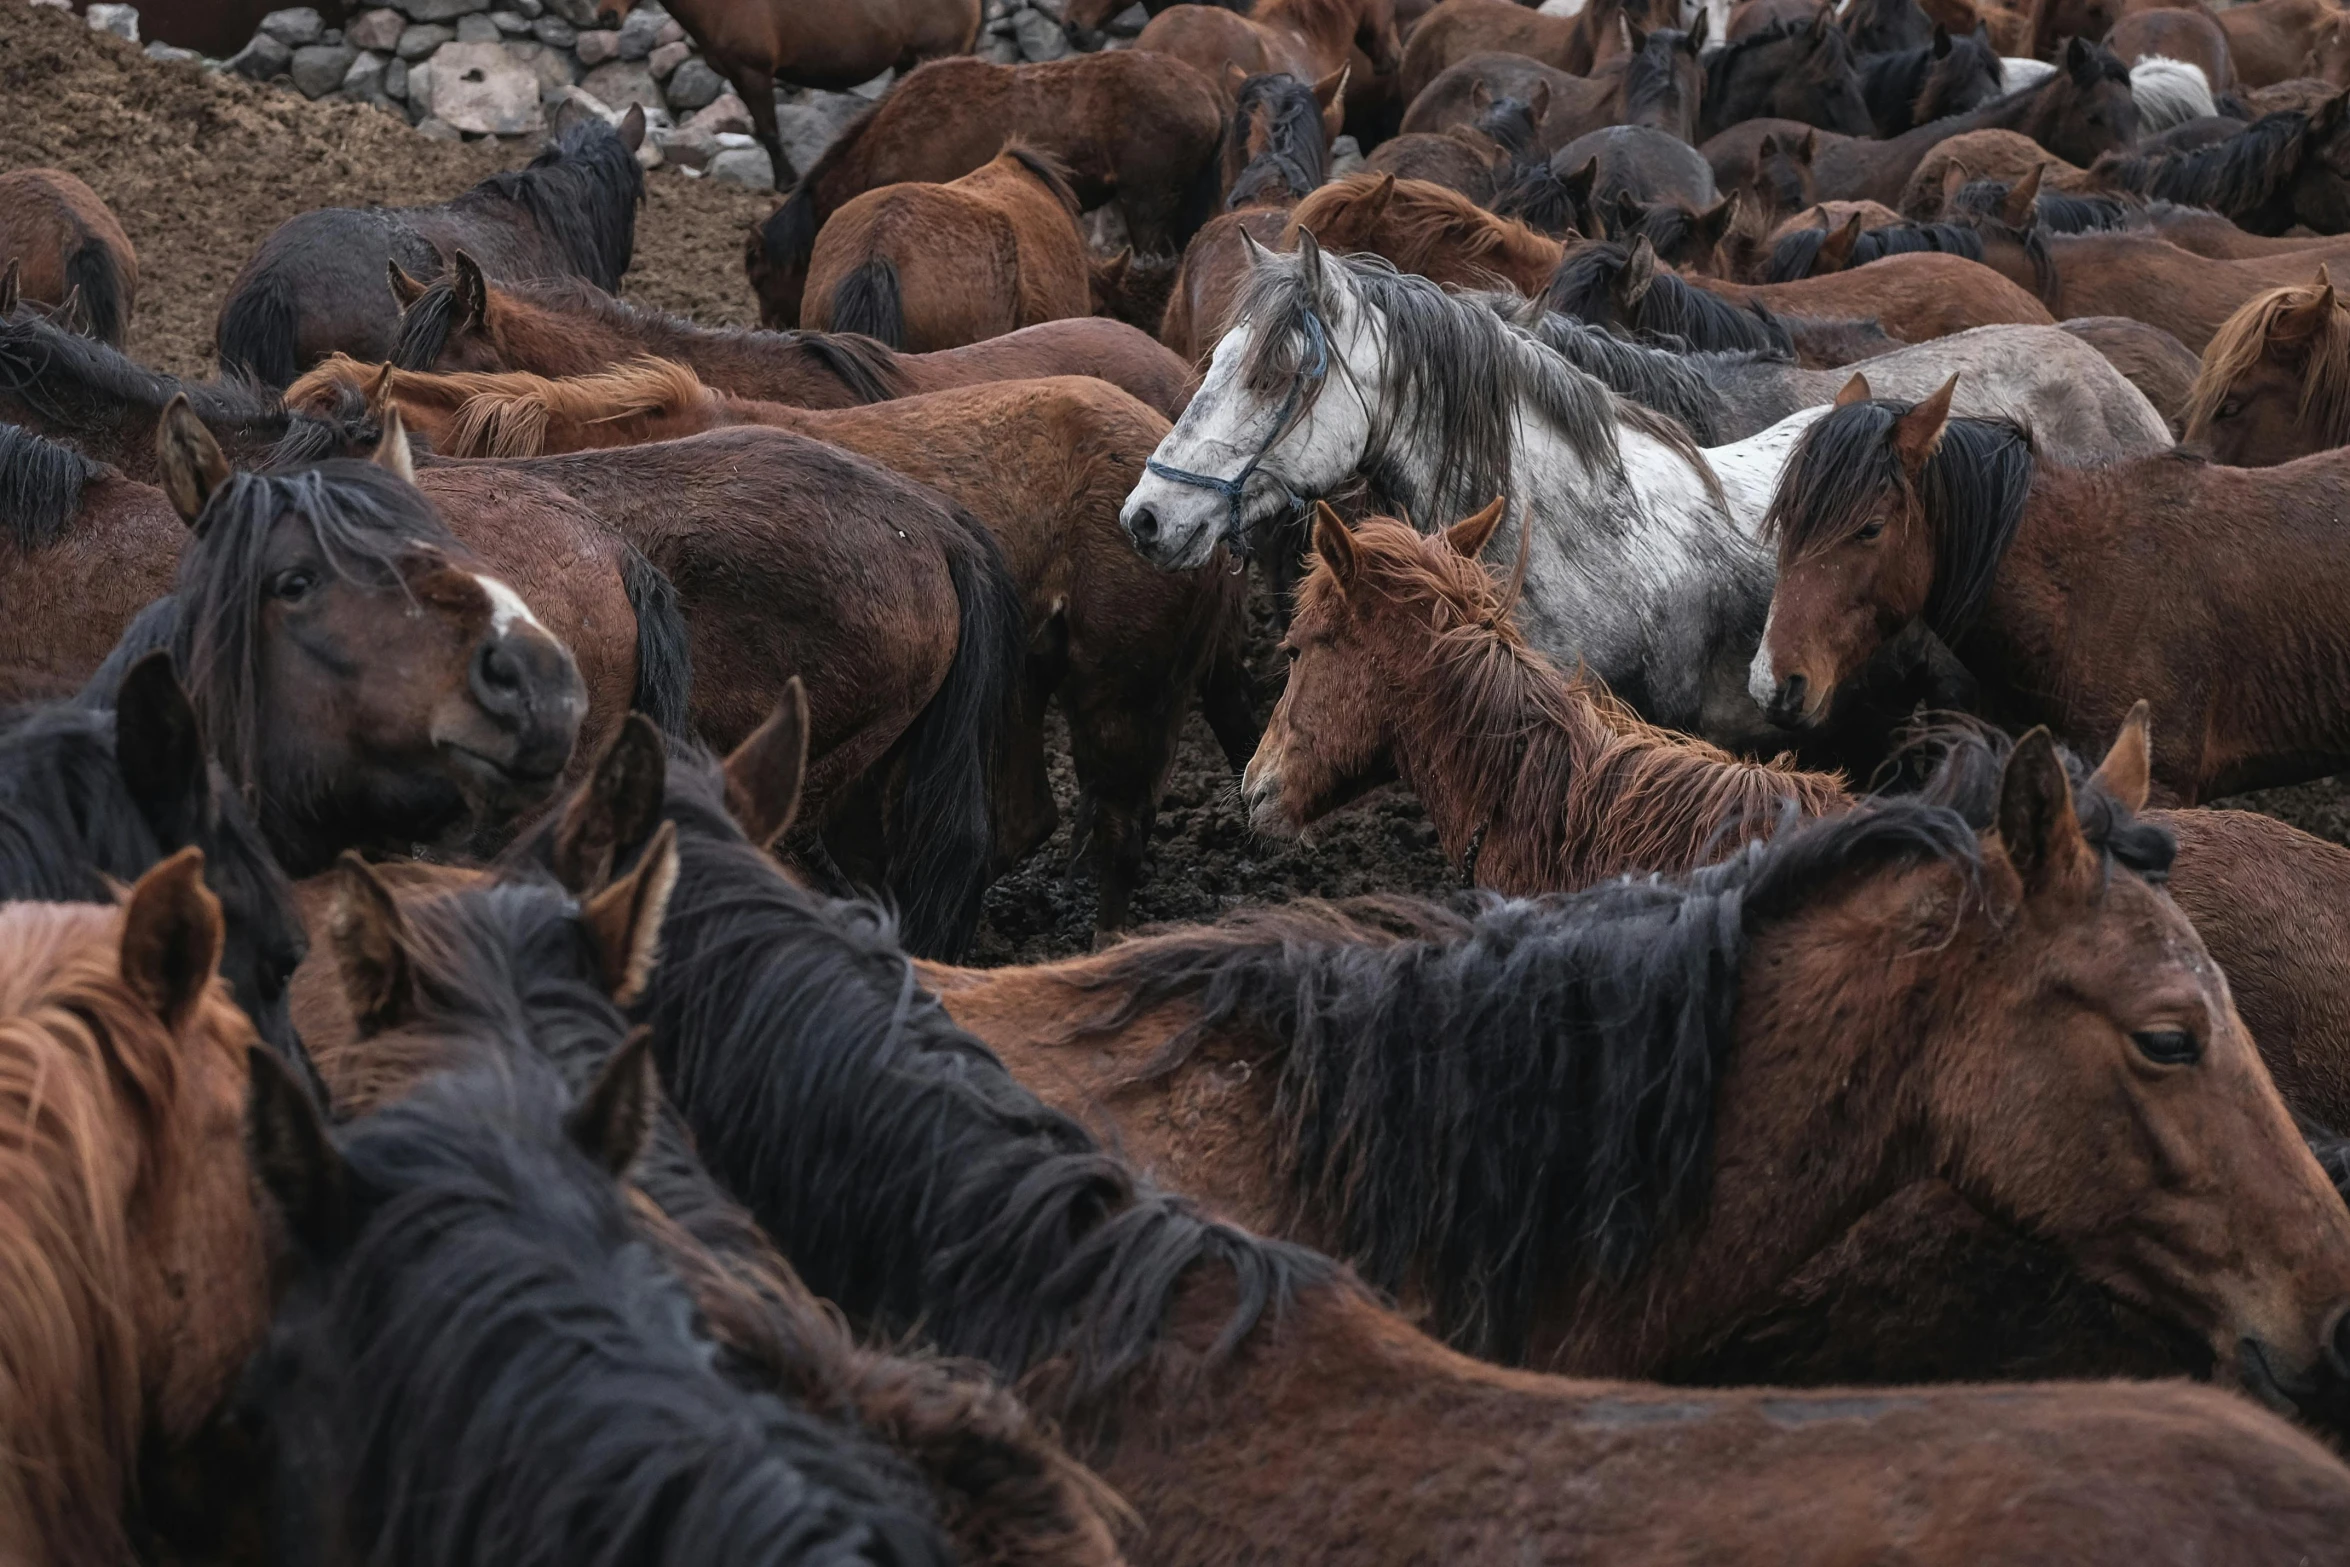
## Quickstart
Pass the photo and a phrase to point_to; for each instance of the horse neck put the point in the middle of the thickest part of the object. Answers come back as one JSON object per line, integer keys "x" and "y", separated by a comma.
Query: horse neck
{"x": 556, "y": 343}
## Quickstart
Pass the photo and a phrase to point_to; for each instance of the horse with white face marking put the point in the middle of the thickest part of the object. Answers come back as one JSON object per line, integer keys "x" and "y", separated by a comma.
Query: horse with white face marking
{"x": 1637, "y": 563}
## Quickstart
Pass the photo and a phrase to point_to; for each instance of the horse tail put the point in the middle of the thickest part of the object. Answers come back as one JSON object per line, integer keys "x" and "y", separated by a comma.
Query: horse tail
{"x": 867, "y": 301}
{"x": 664, "y": 654}
{"x": 96, "y": 272}
{"x": 942, "y": 842}
{"x": 256, "y": 333}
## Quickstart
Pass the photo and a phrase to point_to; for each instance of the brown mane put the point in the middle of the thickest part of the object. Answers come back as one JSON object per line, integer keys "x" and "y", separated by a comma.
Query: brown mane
{"x": 510, "y": 413}
{"x": 1576, "y": 787}
{"x": 90, "y": 1131}
{"x": 2243, "y": 339}
{"x": 1426, "y": 228}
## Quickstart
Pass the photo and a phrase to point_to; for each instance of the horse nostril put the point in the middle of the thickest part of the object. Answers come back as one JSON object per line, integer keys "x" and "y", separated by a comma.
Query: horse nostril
{"x": 1144, "y": 525}
{"x": 498, "y": 679}
{"x": 1791, "y": 692}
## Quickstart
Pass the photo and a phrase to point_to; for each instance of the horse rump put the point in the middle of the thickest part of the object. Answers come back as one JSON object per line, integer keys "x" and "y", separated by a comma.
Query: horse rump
{"x": 867, "y": 301}
{"x": 256, "y": 336}
{"x": 94, "y": 279}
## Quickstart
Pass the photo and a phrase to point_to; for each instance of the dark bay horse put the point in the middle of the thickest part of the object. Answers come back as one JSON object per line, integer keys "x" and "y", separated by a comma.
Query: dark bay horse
{"x": 567, "y": 328}
{"x": 829, "y": 44}
{"x": 1152, "y": 1325}
{"x": 1458, "y": 29}
{"x": 70, "y": 251}
{"x": 1803, "y": 71}
{"x": 2287, "y": 168}
{"x": 316, "y": 285}
{"x": 1889, "y": 514}
{"x": 360, "y": 675}
{"x": 1909, "y": 87}
{"x": 138, "y": 1265}
{"x": 1137, "y": 128}
{"x": 1307, "y": 39}
{"x": 2275, "y": 380}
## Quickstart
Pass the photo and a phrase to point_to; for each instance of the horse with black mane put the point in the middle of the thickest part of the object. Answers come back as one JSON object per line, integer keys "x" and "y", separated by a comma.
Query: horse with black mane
{"x": 2286, "y": 168}
{"x": 316, "y": 285}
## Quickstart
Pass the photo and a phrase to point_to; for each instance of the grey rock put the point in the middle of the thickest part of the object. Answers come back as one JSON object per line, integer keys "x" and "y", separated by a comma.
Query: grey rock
{"x": 438, "y": 129}
{"x": 1052, "y": 8}
{"x": 477, "y": 30}
{"x": 440, "y": 10}
{"x": 666, "y": 58}
{"x": 364, "y": 79}
{"x": 694, "y": 85}
{"x": 726, "y": 114}
{"x": 261, "y": 59}
{"x": 120, "y": 20}
{"x": 420, "y": 88}
{"x": 584, "y": 13}
{"x": 749, "y": 167}
{"x": 554, "y": 68}
{"x": 639, "y": 31}
{"x": 482, "y": 89}
{"x": 997, "y": 9}
{"x": 623, "y": 82}
{"x": 417, "y": 42}
{"x": 378, "y": 29}
{"x": 672, "y": 32}
{"x": 689, "y": 147}
{"x": 807, "y": 127}
{"x": 1129, "y": 22}
{"x": 998, "y": 49}
{"x": 1040, "y": 36}
{"x": 876, "y": 87}
{"x": 395, "y": 80}
{"x": 597, "y": 46}
{"x": 531, "y": 10}
{"x": 159, "y": 50}
{"x": 554, "y": 32}
{"x": 512, "y": 23}
{"x": 567, "y": 106}
{"x": 334, "y": 35}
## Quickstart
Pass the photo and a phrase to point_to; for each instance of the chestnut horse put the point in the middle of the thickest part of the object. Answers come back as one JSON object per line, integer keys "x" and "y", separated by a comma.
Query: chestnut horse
{"x": 566, "y": 328}
{"x": 1576, "y": 44}
{"x": 1140, "y": 129}
{"x": 828, "y": 44}
{"x": 2275, "y": 382}
{"x": 1170, "y": 1345}
{"x": 70, "y": 250}
{"x": 1307, "y": 39}
{"x": 2192, "y": 297}
{"x": 926, "y": 267}
{"x": 1889, "y": 514}
{"x": 1045, "y": 464}
{"x": 137, "y": 1266}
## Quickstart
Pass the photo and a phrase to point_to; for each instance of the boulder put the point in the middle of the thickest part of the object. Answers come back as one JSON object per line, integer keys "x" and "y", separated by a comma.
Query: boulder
{"x": 689, "y": 147}
{"x": 693, "y": 84}
{"x": 512, "y": 23}
{"x": 586, "y": 13}
{"x": 998, "y": 49}
{"x": 167, "y": 53}
{"x": 872, "y": 90}
{"x": 420, "y": 88}
{"x": 749, "y": 167}
{"x": 1040, "y": 36}
{"x": 554, "y": 68}
{"x": 623, "y": 82}
{"x": 554, "y": 32}
{"x": 725, "y": 114}
{"x": 640, "y": 31}
{"x": 379, "y": 29}
{"x": 477, "y": 29}
{"x": 438, "y": 130}
{"x": 395, "y": 80}
{"x": 807, "y": 127}
{"x": 120, "y": 20}
{"x": 363, "y": 82}
{"x": 597, "y": 46}
{"x": 1128, "y": 23}
{"x": 672, "y": 32}
{"x": 417, "y": 42}
{"x": 261, "y": 59}
{"x": 531, "y": 10}
{"x": 481, "y": 88}
{"x": 666, "y": 58}
{"x": 439, "y": 10}
{"x": 295, "y": 28}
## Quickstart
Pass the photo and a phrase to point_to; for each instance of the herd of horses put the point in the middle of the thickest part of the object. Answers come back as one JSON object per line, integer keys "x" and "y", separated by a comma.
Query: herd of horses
{"x": 497, "y": 789}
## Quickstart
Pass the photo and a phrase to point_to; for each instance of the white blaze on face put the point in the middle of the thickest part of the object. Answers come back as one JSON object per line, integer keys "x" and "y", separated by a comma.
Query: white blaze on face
{"x": 506, "y": 606}
{"x": 1762, "y": 683}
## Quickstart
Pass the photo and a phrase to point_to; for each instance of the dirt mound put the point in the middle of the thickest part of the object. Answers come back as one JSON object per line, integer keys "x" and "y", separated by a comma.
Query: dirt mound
{"x": 201, "y": 167}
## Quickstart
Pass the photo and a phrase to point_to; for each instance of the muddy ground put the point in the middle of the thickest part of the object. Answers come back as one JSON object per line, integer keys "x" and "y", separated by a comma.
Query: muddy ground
{"x": 200, "y": 168}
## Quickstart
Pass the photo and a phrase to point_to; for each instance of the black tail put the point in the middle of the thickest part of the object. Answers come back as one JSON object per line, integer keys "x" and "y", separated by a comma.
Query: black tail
{"x": 105, "y": 294}
{"x": 664, "y": 655}
{"x": 942, "y": 840}
{"x": 867, "y": 301}
{"x": 256, "y": 333}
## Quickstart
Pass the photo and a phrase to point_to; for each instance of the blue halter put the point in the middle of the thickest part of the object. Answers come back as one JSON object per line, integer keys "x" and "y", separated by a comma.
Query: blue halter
{"x": 1232, "y": 489}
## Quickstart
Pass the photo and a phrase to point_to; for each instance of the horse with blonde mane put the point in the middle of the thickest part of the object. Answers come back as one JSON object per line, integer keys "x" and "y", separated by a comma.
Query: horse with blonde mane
{"x": 133, "y": 1264}
{"x": 2275, "y": 382}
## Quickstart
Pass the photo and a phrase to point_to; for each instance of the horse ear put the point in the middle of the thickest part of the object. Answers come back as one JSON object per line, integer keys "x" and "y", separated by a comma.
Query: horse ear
{"x": 171, "y": 938}
{"x": 188, "y": 459}
{"x": 1635, "y": 36}
{"x": 1538, "y": 107}
{"x": 632, "y": 127}
{"x": 2127, "y": 771}
{"x": 1954, "y": 180}
{"x": 1941, "y": 42}
{"x": 765, "y": 774}
{"x": 2311, "y": 315}
{"x": 1916, "y": 434}
{"x": 1639, "y": 274}
{"x": 614, "y": 1119}
{"x": 1375, "y": 205}
{"x": 1234, "y": 76}
{"x": 392, "y": 453}
{"x": 2080, "y": 60}
{"x": 1836, "y": 250}
{"x": 2023, "y": 198}
{"x": 1469, "y": 536}
{"x": 370, "y": 936}
{"x": 1855, "y": 390}
{"x": 1309, "y": 249}
{"x": 1480, "y": 95}
{"x": 1768, "y": 147}
{"x": 289, "y": 1147}
{"x": 1811, "y": 145}
{"x": 610, "y": 818}
{"x": 2037, "y": 826}
{"x": 1334, "y": 544}
{"x": 1693, "y": 41}
{"x": 1716, "y": 221}
{"x": 158, "y": 748}
{"x": 624, "y": 920}
{"x": 1250, "y": 246}
{"x": 11, "y": 286}
{"x": 1330, "y": 93}
{"x": 1583, "y": 181}
{"x": 405, "y": 289}
{"x": 470, "y": 289}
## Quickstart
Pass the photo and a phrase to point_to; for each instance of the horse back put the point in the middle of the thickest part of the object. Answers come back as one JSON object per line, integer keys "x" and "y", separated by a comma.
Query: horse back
{"x": 316, "y": 287}
{"x": 64, "y": 237}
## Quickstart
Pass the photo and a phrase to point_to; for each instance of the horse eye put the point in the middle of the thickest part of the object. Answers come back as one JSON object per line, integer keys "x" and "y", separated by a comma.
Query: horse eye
{"x": 293, "y": 584}
{"x": 1870, "y": 529}
{"x": 1289, "y": 651}
{"x": 2168, "y": 1046}
{"x": 2229, "y": 409}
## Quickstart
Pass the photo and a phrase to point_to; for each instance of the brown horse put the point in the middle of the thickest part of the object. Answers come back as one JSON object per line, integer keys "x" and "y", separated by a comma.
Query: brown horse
{"x": 2152, "y": 360}
{"x": 2269, "y": 39}
{"x": 1457, "y": 29}
{"x": 2275, "y": 382}
{"x": 830, "y": 44}
{"x": 2149, "y": 279}
{"x": 137, "y": 1265}
{"x": 926, "y": 267}
{"x": 1046, "y": 465}
{"x": 1429, "y": 229}
{"x": 1139, "y": 129}
{"x": 70, "y": 251}
{"x": 2175, "y": 33}
{"x": 1307, "y": 39}
{"x": 564, "y": 328}
{"x": 2005, "y": 156}
{"x": 1888, "y": 515}
{"x": 2049, "y": 24}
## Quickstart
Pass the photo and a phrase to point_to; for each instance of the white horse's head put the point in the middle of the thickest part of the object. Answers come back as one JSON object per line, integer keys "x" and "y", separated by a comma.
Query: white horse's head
{"x": 1259, "y": 434}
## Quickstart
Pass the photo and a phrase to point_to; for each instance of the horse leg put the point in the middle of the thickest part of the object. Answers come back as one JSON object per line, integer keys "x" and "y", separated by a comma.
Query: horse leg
{"x": 1123, "y": 730}
{"x": 758, "y": 92}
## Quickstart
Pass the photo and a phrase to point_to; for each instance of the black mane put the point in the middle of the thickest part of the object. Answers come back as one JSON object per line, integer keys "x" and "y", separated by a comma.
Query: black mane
{"x": 1973, "y": 493}
{"x": 1650, "y": 77}
{"x": 1296, "y": 159}
{"x": 41, "y": 484}
{"x": 1796, "y": 253}
{"x": 1583, "y": 285}
{"x": 582, "y": 192}
{"x": 495, "y": 1367}
{"x": 1658, "y": 378}
{"x": 2235, "y": 176}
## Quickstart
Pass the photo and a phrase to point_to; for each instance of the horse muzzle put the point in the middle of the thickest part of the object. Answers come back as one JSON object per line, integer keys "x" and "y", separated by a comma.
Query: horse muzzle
{"x": 1793, "y": 704}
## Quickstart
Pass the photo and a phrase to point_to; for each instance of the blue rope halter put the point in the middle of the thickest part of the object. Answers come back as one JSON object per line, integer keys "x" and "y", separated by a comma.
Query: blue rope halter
{"x": 1231, "y": 489}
